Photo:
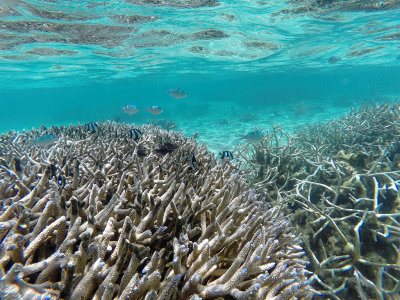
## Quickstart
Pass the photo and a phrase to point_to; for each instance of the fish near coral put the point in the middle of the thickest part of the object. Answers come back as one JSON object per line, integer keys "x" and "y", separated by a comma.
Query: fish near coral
{"x": 226, "y": 154}
{"x": 193, "y": 161}
{"x": 44, "y": 140}
{"x": 135, "y": 134}
{"x": 61, "y": 181}
{"x": 177, "y": 93}
{"x": 3, "y": 162}
{"x": 155, "y": 109}
{"x": 17, "y": 165}
{"x": 130, "y": 109}
{"x": 253, "y": 136}
{"x": 53, "y": 171}
{"x": 92, "y": 127}
{"x": 141, "y": 151}
{"x": 165, "y": 148}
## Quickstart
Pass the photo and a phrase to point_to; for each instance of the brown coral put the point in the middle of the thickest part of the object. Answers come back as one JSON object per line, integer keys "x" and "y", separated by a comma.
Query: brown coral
{"x": 340, "y": 183}
{"x": 124, "y": 226}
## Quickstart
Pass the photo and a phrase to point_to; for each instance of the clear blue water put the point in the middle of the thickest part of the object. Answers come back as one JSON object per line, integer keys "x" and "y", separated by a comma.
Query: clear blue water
{"x": 242, "y": 64}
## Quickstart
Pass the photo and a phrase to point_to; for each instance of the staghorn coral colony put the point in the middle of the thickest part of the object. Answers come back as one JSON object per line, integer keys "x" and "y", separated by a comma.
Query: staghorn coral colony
{"x": 339, "y": 181}
{"x": 97, "y": 215}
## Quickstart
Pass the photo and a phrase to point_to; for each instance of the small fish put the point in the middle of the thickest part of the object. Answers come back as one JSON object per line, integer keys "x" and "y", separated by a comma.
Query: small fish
{"x": 177, "y": 93}
{"x": 53, "y": 171}
{"x": 226, "y": 154}
{"x": 193, "y": 161}
{"x": 3, "y": 162}
{"x": 56, "y": 67}
{"x": 141, "y": 151}
{"x": 61, "y": 181}
{"x": 253, "y": 136}
{"x": 130, "y": 109}
{"x": 165, "y": 148}
{"x": 92, "y": 127}
{"x": 135, "y": 134}
{"x": 17, "y": 165}
{"x": 44, "y": 140}
{"x": 117, "y": 119}
{"x": 333, "y": 59}
{"x": 155, "y": 110}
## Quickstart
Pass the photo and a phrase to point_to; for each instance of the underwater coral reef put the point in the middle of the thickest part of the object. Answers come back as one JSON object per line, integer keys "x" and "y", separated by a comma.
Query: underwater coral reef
{"x": 339, "y": 181}
{"x": 96, "y": 214}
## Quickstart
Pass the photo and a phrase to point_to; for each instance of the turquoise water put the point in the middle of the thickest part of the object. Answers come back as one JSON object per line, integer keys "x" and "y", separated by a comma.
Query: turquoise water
{"x": 242, "y": 64}
{"x": 247, "y": 64}
{"x": 220, "y": 110}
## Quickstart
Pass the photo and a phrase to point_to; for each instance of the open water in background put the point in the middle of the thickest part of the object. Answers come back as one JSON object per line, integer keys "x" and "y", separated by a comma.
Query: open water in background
{"x": 241, "y": 63}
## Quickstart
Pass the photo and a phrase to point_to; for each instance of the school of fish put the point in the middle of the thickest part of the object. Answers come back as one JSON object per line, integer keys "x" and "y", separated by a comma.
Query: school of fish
{"x": 253, "y": 137}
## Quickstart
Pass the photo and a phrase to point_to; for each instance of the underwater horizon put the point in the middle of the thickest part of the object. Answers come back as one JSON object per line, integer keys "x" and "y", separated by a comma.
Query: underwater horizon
{"x": 220, "y": 110}
{"x": 231, "y": 149}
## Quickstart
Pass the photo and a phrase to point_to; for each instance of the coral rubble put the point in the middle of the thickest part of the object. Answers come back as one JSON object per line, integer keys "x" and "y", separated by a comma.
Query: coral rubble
{"x": 102, "y": 216}
{"x": 340, "y": 183}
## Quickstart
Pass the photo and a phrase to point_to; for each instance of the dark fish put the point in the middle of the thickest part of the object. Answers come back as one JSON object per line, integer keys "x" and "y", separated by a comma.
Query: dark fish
{"x": 53, "y": 171}
{"x": 177, "y": 93}
{"x": 393, "y": 150}
{"x": 61, "y": 181}
{"x": 141, "y": 151}
{"x": 4, "y": 163}
{"x": 226, "y": 154}
{"x": 117, "y": 119}
{"x": 333, "y": 59}
{"x": 135, "y": 134}
{"x": 17, "y": 165}
{"x": 92, "y": 127}
{"x": 193, "y": 161}
{"x": 165, "y": 148}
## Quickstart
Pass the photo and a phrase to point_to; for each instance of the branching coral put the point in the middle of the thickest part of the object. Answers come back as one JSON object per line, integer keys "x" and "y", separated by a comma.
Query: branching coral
{"x": 101, "y": 216}
{"x": 273, "y": 163}
{"x": 343, "y": 194}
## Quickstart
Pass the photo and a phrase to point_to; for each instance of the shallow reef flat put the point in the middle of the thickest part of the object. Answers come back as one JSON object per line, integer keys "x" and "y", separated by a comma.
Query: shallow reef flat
{"x": 95, "y": 214}
{"x": 339, "y": 182}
